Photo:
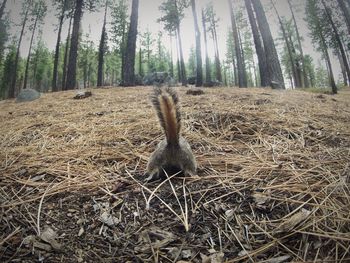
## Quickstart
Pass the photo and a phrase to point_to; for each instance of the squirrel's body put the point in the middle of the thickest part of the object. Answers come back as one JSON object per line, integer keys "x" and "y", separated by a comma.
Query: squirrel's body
{"x": 172, "y": 154}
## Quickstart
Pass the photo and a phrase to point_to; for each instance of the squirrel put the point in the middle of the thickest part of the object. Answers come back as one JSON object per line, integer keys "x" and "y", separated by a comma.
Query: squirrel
{"x": 173, "y": 154}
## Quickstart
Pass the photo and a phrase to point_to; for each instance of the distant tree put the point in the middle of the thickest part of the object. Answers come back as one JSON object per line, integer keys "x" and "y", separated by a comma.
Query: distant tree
{"x": 87, "y": 62}
{"x": 286, "y": 39}
{"x": 259, "y": 47}
{"x": 192, "y": 62}
{"x": 212, "y": 20}
{"x": 199, "y": 69}
{"x": 2, "y": 8}
{"x": 4, "y": 35}
{"x": 42, "y": 65}
{"x": 119, "y": 29}
{"x": 147, "y": 42}
{"x": 63, "y": 6}
{"x": 26, "y": 6}
{"x": 8, "y": 71}
{"x": 273, "y": 64}
{"x": 207, "y": 61}
{"x": 65, "y": 60}
{"x": 102, "y": 49}
{"x": 38, "y": 13}
{"x": 337, "y": 39}
{"x": 231, "y": 56}
{"x": 346, "y": 12}
{"x": 173, "y": 13}
{"x": 129, "y": 65}
{"x": 317, "y": 34}
{"x": 242, "y": 77}
{"x": 304, "y": 79}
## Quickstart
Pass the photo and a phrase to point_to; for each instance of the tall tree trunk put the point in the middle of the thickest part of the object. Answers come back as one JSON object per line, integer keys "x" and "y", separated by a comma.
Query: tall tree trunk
{"x": 178, "y": 65}
{"x": 101, "y": 50}
{"x": 65, "y": 60}
{"x": 274, "y": 68}
{"x": 171, "y": 64}
{"x": 140, "y": 63}
{"x": 182, "y": 62}
{"x": 304, "y": 80}
{"x": 2, "y": 8}
{"x": 263, "y": 71}
{"x": 14, "y": 77}
{"x": 217, "y": 57}
{"x": 346, "y": 13}
{"x": 123, "y": 49}
{"x": 342, "y": 67}
{"x": 242, "y": 77}
{"x": 57, "y": 50}
{"x": 289, "y": 48}
{"x": 129, "y": 65}
{"x": 199, "y": 69}
{"x": 29, "y": 53}
{"x": 74, "y": 44}
{"x": 207, "y": 62}
{"x": 338, "y": 40}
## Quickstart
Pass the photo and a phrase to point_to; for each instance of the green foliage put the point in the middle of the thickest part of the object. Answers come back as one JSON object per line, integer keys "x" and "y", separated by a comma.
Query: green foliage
{"x": 8, "y": 71}
{"x": 119, "y": 14}
{"x": 191, "y": 65}
{"x": 87, "y": 63}
{"x": 173, "y": 11}
{"x": 42, "y": 65}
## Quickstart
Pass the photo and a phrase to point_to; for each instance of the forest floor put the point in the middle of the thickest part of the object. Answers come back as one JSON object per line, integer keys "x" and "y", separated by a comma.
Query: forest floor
{"x": 272, "y": 186}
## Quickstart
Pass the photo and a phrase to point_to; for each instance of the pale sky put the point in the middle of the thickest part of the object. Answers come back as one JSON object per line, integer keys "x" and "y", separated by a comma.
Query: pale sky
{"x": 149, "y": 13}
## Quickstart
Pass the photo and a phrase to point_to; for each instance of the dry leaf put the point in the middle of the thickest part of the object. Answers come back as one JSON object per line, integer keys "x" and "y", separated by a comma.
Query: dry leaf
{"x": 292, "y": 221}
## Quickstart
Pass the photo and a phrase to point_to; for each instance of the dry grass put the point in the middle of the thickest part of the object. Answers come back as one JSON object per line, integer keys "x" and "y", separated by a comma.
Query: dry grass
{"x": 272, "y": 186}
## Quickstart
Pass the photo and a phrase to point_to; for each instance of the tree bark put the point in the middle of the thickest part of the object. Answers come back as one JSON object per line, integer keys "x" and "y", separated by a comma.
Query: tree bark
{"x": 14, "y": 78}
{"x": 171, "y": 65}
{"x": 207, "y": 63}
{"x": 65, "y": 60}
{"x": 29, "y": 53}
{"x": 304, "y": 80}
{"x": 263, "y": 71}
{"x": 242, "y": 77}
{"x": 217, "y": 57}
{"x": 74, "y": 45}
{"x": 275, "y": 76}
{"x": 338, "y": 40}
{"x": 199, "y": 69}
{"x": 129, "y": 63}
{"x": 57, "y": 50}
{"x": 101, "y": 50}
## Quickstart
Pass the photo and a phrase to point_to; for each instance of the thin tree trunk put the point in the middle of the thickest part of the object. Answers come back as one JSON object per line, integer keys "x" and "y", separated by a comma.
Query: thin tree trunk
{"x": 57, "y": 50}
{"x": 207, "y": 63}
{"x": 129, "y": 65}
{"x": 140, "y": 62}
{"x": 342, "y": 68}
{"x": 123, "y": 46}
{"x": 2, "y": 8}
{"x": 274, "y": 68}
{"x": 182, "y": 62}
{"x": 263, "y": 71}
{"x": 217, "y": 57}
{"x": 242, "y": 78}
{"x": 29, "y": 53}
{"x": 338, "y": 40}
{"x": 65, "y": 60}
{"x": 304, "y": 80}
{"x": 179, "y": 76}
{"x": 171, "y": 66}
{"x": 289, "y": 48}
{"x": 74, "y": 45}
{"x": 199, "y": 69}
{"x": 101, "y": 50}
{"x": 14, "y": 78}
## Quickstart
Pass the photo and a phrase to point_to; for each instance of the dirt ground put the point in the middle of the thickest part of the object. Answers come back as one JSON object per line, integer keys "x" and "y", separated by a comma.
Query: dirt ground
{"x": 272, "y": 185}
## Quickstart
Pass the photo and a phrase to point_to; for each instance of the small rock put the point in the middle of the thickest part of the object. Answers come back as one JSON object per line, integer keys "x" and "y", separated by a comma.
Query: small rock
{"x": 27, "y": 95}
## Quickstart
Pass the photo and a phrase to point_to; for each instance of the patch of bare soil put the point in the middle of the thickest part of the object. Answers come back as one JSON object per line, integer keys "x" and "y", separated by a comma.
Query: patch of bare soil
{"x": 272, "y": 186}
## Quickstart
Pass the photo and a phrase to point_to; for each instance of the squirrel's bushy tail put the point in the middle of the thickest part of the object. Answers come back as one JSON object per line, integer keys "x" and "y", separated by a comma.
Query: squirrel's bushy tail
{"x": 165, "y": 100}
